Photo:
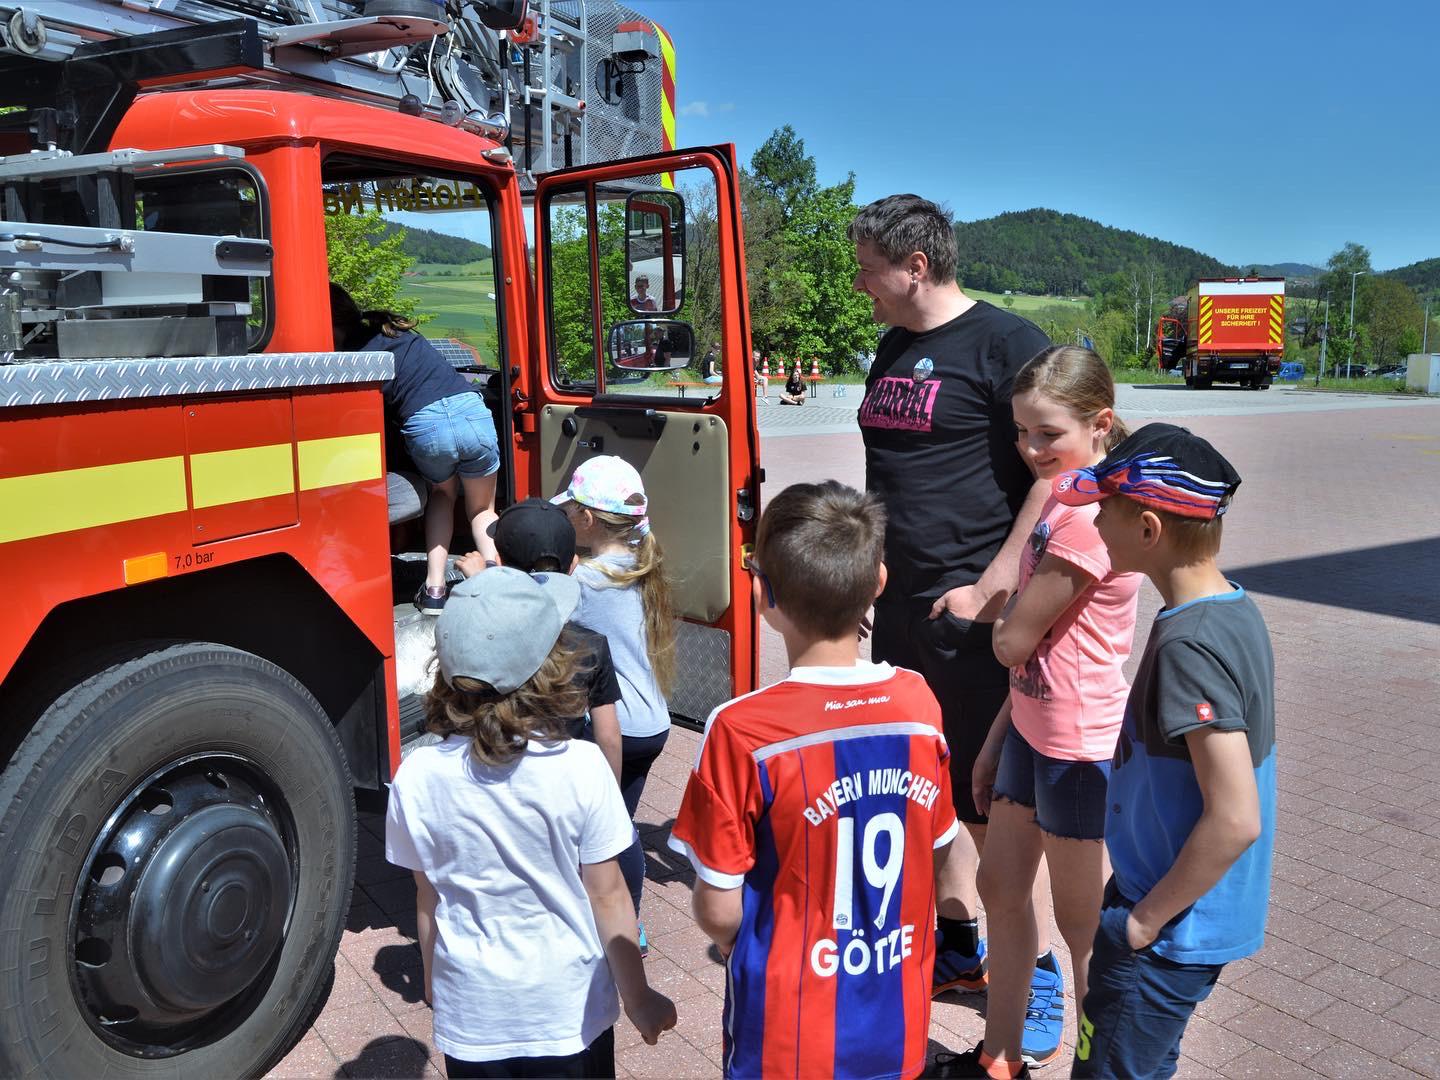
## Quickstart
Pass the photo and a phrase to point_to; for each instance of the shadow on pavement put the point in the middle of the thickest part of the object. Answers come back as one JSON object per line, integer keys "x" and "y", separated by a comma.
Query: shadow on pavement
{"x": 397, "y": 1057}
{"x": 1399, "y": 580}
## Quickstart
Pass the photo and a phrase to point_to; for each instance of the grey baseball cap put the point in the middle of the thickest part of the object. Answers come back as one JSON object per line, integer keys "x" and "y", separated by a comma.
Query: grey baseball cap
{"x": 499, "y": 625}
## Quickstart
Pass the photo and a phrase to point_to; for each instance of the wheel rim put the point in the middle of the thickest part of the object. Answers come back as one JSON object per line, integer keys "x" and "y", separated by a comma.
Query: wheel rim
{"x": 184, "y": 902}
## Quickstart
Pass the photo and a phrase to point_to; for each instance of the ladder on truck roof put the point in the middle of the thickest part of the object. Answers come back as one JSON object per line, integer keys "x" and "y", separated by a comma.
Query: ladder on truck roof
{"x": 576, "y": 82}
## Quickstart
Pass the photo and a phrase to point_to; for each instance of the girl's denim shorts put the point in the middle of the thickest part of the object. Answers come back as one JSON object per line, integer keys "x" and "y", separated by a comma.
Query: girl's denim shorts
{"x": 454, "y": 434}
{"x": 1068, "y": 797}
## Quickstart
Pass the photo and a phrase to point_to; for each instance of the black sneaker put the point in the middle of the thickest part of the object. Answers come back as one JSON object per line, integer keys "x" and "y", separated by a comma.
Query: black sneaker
{"x": 947, "y": 1065}
{"x": 428, "y": 602}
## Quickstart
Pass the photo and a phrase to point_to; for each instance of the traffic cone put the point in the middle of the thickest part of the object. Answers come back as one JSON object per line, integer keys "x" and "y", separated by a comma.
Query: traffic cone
{"x": 765, "y": 367}
{"x": 814, "y": 365}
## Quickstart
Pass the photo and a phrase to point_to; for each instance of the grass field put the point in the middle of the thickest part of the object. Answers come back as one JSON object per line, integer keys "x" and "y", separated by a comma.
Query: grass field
{"x": 1026, "y": 304}
{"x": 459, "y": 306}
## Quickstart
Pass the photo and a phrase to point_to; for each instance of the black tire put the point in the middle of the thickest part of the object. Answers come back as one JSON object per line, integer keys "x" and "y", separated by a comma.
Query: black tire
{"x": 1203, "y": 383}
{"x": 206, "y": 766}
{"x": 1190, "y": 381}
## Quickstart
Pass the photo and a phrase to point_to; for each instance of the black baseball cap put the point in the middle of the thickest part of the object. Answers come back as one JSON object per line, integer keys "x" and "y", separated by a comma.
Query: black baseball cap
{"x": 530, "y": 531}
{"x": 1160, "y": 466}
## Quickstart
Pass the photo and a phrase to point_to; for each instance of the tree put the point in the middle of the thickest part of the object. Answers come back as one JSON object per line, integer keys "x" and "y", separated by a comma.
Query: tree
{"x": 1351, "y": 259}
{"x": 367, "y": 259}
{"x": 1390, "y": 310}
{"x": 782, "y": 168}
{"x": 836, "y": 319}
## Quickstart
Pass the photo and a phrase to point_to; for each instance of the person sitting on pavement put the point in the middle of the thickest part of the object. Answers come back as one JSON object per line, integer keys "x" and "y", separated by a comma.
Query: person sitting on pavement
{"x": 794, "y": 392}
{"x": 710, "y": 366}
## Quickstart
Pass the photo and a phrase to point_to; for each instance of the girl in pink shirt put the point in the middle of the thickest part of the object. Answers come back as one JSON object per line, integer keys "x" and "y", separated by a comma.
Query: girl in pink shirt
{"x": 1044, "y": 769}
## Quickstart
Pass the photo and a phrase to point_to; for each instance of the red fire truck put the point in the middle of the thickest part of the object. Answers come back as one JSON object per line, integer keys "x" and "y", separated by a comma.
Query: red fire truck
{"x": 207, "y": 539}
{"x": 1226, "y": 330}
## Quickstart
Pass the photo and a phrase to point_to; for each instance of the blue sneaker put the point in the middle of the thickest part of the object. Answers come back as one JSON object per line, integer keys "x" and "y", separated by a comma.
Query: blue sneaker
{"x": 643, "y": 941}
{"x": 955, "y": 970}
{"x": 1045, "y": 1015}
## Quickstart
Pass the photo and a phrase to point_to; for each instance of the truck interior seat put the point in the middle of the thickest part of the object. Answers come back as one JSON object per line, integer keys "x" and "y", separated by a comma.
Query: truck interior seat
{"x": 406, "y": 493}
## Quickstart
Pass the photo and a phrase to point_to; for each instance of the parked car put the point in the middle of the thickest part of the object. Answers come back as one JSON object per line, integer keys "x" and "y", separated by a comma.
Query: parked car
{"x": 1290, "y": 371}
{"x": 1351, "y": 371}
{"x": 1396, "y": 372}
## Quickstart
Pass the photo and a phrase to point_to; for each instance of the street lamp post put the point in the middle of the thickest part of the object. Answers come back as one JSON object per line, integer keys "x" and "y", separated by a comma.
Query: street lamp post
{"x": 1425, "y": 328}
{"x": 1324, "y": 339}
{"x": 1351, "y": 362}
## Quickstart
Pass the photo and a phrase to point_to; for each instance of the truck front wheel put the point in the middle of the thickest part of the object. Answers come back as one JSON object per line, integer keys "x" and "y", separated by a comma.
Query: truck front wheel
{"x": 178, "y": 833}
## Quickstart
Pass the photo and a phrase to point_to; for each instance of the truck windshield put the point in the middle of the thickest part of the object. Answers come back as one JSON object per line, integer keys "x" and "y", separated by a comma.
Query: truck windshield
{"x": 419, "y": 245}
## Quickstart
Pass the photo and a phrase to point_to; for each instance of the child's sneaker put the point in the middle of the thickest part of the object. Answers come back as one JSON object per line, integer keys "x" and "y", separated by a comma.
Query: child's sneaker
{"x": 430, "y": 602}
{"x": 1045, "y": 1015}
{"x": 644, "y": 941}
{"x": 948, "y": 1065}
{"x": 959, "y": 971}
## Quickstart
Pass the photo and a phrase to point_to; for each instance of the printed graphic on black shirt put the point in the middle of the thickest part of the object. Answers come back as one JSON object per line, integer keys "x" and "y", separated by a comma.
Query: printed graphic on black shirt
{"x": 900, "y": 404}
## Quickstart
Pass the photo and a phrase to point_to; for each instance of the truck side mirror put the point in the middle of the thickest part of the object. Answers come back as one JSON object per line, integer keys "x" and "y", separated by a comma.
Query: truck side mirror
{"x": 650, "y": 345}
{"x": 655, "y": 251}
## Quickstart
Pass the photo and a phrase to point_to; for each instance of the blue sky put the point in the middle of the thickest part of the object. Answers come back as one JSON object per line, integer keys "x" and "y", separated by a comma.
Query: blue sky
{"x": 1264, "y": 132}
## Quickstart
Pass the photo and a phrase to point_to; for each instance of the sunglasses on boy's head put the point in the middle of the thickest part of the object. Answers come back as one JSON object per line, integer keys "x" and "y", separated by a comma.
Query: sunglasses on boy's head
{"x": 754, "y": 568}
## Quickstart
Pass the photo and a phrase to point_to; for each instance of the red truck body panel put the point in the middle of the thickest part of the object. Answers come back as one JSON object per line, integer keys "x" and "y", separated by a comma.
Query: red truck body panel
{"x": 1238, "y": 315}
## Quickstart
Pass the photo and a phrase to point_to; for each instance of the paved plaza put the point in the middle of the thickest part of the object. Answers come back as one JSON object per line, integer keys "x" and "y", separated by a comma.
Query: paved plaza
{"x": 1336, "y": 530}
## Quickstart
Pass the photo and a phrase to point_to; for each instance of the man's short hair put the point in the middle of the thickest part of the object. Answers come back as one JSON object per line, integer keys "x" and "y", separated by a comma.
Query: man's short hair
{"x": 901, "y": 224}
{"x": 820, "y": 547}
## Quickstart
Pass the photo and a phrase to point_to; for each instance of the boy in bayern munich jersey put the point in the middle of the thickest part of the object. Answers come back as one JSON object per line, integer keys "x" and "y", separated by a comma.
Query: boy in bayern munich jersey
{"x": 816, "y": 815}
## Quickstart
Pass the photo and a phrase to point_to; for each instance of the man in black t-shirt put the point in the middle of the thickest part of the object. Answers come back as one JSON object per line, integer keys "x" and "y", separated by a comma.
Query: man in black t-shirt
{"x": 940, "y": 452}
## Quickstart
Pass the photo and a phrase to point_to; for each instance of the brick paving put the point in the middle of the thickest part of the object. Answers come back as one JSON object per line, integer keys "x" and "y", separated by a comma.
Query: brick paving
{"x": 1337, "y": 531}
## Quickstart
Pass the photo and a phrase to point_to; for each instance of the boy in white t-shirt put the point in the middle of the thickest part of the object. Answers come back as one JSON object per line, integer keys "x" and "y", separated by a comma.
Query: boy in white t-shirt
{"x": 512, "y": 831}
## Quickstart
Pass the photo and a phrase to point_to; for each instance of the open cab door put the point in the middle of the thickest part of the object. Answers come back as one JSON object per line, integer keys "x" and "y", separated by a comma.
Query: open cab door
{"x": 640, "y": 288}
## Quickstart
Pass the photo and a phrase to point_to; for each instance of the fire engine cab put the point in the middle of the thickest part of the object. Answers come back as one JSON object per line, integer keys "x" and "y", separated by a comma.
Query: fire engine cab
{"x": 208, "y": 536}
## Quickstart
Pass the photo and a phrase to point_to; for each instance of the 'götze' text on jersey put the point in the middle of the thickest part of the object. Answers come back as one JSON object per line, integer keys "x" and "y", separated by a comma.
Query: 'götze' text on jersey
{"x": 823, "y": 798}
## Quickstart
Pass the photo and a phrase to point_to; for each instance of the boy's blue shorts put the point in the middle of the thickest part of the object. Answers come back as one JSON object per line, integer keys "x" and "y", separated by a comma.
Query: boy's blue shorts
{"x": 1068, "y": 797}
{"x": 1138, "y": 1003}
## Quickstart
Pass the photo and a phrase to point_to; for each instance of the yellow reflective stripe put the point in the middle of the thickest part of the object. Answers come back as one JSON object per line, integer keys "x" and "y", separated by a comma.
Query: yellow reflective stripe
{"x": 44, "y": 503}
{"x": 230, "y": 476}
{"x": 347, "y": 459}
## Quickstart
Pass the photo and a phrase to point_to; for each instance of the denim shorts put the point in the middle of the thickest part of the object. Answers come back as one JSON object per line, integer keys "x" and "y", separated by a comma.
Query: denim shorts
{"x": 1068, "y": 797}
{"x": 1139, "y": 1003}
{"x": 454, "y": 434}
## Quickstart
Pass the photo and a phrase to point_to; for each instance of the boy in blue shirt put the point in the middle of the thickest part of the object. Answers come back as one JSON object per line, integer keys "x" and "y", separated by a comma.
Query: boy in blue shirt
{"x": 1192, "y": 788}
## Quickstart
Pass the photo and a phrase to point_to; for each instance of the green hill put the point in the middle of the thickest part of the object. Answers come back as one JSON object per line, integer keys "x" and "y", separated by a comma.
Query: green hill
{"x": 425, "y": 246}
{"x": 1287, "y": 270}
{"x": 1423, "y": 275}
{"x": 1044, "y": 251}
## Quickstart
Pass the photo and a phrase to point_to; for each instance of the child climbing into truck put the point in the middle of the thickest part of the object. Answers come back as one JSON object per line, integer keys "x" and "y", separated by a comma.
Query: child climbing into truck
{"x": 448, "y": 431}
